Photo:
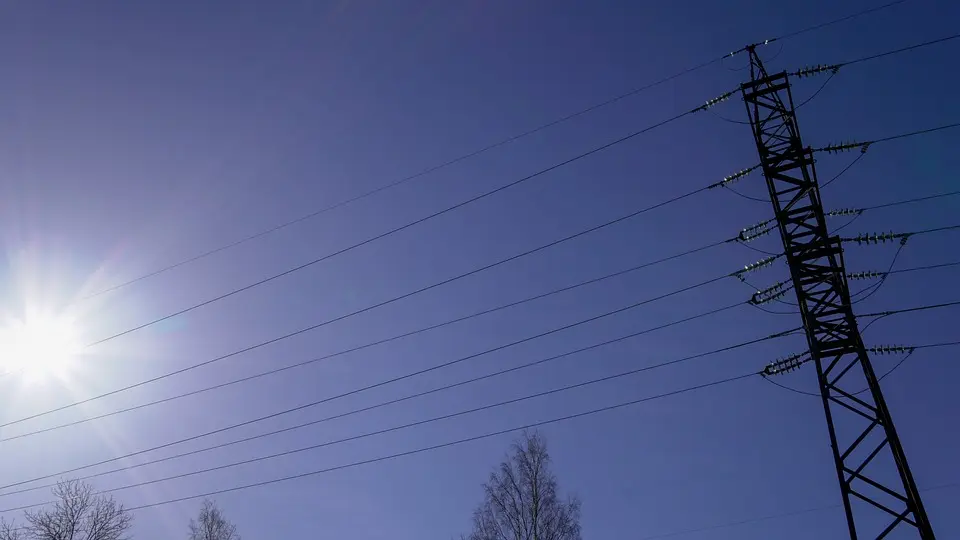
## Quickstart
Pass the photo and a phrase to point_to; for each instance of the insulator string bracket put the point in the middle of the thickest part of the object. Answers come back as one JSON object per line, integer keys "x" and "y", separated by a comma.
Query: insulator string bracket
{"x": 879, "y": 238}
{"x": 753, "y": 267}
{"x": 891, "y": 349}
{"x": 786, "y": 365}
{"x": 845, "y": 147}
{"x": 810, "y": 71}
{"x": 770, "y": 294}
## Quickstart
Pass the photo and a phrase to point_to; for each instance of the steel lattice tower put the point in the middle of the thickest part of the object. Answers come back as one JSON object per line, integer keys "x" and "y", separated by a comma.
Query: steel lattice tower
{"x": 870, "y": 462}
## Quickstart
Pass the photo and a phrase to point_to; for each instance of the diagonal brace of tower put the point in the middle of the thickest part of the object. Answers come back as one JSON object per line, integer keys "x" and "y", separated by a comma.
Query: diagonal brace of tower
{"x": 876, "y": 485}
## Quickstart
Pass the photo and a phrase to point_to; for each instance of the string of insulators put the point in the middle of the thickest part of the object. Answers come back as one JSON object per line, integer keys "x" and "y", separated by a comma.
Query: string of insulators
{"x": 727, "y": 180}
{"x": 817, "y": 69}
{"x": 866, "y": 275}
{"x": 891, "y": 349}
{"x": 769, "y": 294}
{"x": 711, "y": 102}
{"x": 753, "y": 232}
{"x": 846, "y": 212}
{"x": 753, "y": 267}
{"x": 844, "y": 147}
{"x": 786, "y": 365}
{"x": 879, "y": 238}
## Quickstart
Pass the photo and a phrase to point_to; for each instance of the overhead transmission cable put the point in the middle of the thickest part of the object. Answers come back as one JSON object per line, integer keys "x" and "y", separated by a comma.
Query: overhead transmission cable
{"x": 412, "y": 396}
{"x": 906, "y": 351}
{"x": 926, "y": 307}
{"x": 870, "y": 290}
{"x": 744, "y": 237}
{"x": 865, "y": 293}
{"x": 442, "y": 212}
{"x": 882, "y": 315}
{"x": 849, "y": 146}
{"x": 880, "y": 238}
{"x": 835, "y": 21}
{"x": 447, "y": 444}
{"x": 368, "y": 308}
{"x": 833, "y": 69}
{"x": 457, "y": 442}
{"x": 857, "y": 212}
{"x": 408, "y": 425}
{"x": 482, "y": 150}
{"x": 756, "y": 298}
{"x": 392, "y": 338}
{"x": 771, "y": 517}
{"x": 706, "y": 106}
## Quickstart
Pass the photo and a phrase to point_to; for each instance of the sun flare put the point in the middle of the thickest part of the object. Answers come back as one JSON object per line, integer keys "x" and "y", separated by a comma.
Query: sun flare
{"x": 39, "y": 346}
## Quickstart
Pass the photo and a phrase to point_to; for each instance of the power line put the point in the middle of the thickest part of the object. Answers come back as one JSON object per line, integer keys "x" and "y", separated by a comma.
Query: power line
{"x": 863, "y": 145}
{"x": 479, "y": 151}
{"x": 865, "y": 293}
{"x": 865, "y": 275}
{"x": 381, "y": 341}
{"x": 420, "y": 372}
{"x": 844, "y": 170}
{"x": 858, "y": 211}
{"x": 883, "y": 314}
{"x": 837, "y": 21}
{"x": 772, "y": 517}
{"x": 906, "y": 356}
{"x": 448, "y": 444}
{"x": 901, "y": 50}
{"x": 915, "y": 133}
{"x": 927, "y": 267}
{"x": 834, "y": 68}
{"x": 413, "y": 223}
{"x": 817, "y": 93}
{"x": 406, "y": 179}
{"x": 399, "y": 427}
{"x": 277, "y": 276}
{"x": 911, "y": 201}
{"x": 885, "y": 237}
{"x": 358, "y": 311}
{"x": 911, "y": 310}
{"x": 377, "y": 305}
{"x": 818, "y": 275}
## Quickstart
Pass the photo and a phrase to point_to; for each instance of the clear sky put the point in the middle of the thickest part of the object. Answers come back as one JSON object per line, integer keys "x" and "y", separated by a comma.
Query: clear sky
{"x": 137, "y": 134}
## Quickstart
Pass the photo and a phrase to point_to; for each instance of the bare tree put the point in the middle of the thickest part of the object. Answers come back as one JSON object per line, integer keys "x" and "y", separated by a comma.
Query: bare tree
{"x": 211, "y": 525}
{"x": 77, "y": 514}
{"x": 9, "y": 531}
{"x": 521, "y": 500}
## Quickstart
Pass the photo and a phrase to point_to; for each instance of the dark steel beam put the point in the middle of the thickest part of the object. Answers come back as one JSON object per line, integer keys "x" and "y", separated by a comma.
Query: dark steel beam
{"x": 819, "y": 279}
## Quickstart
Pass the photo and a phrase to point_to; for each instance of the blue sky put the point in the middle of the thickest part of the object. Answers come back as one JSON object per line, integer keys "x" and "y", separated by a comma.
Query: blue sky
{"x": 137, "y": 135}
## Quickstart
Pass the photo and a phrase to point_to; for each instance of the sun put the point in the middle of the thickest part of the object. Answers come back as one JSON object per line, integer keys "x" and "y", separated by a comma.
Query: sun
{"x": 39, "y": 346}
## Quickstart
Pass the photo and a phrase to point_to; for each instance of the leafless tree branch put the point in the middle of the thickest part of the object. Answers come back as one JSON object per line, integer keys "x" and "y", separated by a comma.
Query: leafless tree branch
{"x": 77, "y": 514}
{"x": 211, "y": 524}
{"x": 521, "y": 501}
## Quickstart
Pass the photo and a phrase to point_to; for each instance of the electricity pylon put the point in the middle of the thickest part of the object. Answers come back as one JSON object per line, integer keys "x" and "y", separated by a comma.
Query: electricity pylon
{"x": 876, "y": 484}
